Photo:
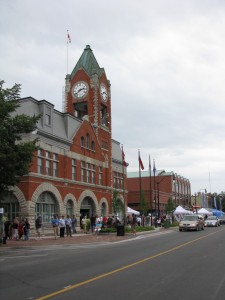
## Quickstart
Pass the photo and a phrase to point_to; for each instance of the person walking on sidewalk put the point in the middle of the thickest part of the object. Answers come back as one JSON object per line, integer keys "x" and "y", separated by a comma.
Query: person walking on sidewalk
{"x": 62, "y": 225}
{"x": 26, "y": 230}
{"x": 38, "y": 226}
{"x": 68, "y": 223}
{"x": 55, "y": 225}
{"x": 74, "y": 224}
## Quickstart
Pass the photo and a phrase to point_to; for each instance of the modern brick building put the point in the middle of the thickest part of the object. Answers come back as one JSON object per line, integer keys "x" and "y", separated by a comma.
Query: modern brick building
{"x": 163, "y": 185}
{"x": 78, "y": 165}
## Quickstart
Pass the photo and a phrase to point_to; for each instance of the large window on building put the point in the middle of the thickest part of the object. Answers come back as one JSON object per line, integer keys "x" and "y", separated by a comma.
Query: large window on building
{"x": 11, "y": 206}
{"x": 83, "y": 171}
{"x": 40, "y": 161}
{"x": 118, "y": 180}
{"x": 55, "y": 164}
{"x": 100, "y": 175}
{"x": 74, "y": 169}
{"x": 46, "y": 206}
{"x": 93, "y": 173}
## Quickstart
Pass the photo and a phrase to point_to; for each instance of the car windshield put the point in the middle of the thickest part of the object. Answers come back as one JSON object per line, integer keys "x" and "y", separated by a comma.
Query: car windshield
{"x": 212, "y": 218}
{"x": 190, "y": 218}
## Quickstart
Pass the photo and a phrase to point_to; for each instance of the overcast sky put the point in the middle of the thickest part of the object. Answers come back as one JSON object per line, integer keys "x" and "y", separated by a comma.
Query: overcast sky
{"x": 165, "y": 60}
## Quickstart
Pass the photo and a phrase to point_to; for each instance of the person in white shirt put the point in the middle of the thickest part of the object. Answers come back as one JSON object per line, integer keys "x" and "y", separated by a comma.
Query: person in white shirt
{"x": 62, "y": 225}
{"x": 68, "y": 222}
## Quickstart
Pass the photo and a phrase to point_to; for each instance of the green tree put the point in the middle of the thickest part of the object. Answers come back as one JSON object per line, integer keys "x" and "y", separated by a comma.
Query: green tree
{"x": 143, "y": 204}
{"x": 116, "y": 203}
{"x": 15, "y": 153}
{"x": 170, "y": 206}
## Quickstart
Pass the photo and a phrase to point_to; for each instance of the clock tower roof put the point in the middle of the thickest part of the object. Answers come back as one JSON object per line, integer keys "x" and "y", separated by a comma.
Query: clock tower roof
{"x": 88, "y": 62}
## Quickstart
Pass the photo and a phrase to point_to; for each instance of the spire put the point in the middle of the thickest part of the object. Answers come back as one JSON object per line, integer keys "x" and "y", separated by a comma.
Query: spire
{"x": 87, "y": 62}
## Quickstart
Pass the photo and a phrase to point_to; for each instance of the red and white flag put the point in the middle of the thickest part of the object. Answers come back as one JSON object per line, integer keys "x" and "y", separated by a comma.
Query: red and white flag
{"x": 68, "y": 38}
{"x": 141, "y": 163}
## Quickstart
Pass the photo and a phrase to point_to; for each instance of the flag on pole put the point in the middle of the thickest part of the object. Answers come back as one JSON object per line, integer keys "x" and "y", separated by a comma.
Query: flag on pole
{"x": 68, "y": 37}
{"x": 149, "y": 165}
{"x": 141, "y": 163}
{"x": 154, "y": 168}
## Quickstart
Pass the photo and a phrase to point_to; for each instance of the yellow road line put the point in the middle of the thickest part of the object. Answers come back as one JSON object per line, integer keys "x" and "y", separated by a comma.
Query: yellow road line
{"x": 71, "y": 287}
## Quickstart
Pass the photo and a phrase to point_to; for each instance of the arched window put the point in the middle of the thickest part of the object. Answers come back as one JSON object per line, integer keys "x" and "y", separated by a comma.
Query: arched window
{"x": 93, "y": 145}
{"x": 11, "y": 206}
{"x": 103, "y": 209}
{"x": 82, "y": 141}
{"x": 46, "y": 206}
{"x": 69, "y": 208}
{"x": 88, "y": 141}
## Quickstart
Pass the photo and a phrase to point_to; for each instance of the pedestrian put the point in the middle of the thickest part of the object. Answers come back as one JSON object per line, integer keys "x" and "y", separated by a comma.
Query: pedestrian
{"x": 38, "y": 226}
{"x": 133, "y": 224}
{"x": 26, "y": 229}
{"x": 74, "y": 224}
{"x": 55, "y": 225}
{"x": 84, "y": 224}
{"x": 62, "y": 225}
{"x": 15, "y": 226}
{"x": 20, "y": 229}
{"x": 93, "y": 222}
{"x": 68, "y": 223}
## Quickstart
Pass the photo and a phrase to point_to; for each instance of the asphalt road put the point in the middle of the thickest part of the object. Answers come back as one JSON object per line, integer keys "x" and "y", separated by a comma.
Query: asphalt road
{"x": 164, "y": 265}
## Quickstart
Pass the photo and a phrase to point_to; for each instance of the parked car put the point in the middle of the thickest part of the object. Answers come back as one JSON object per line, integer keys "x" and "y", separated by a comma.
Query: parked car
{"x": 212, "y": 221}
{"x": 191, "y": 222}
{"x": 222, "y": 219}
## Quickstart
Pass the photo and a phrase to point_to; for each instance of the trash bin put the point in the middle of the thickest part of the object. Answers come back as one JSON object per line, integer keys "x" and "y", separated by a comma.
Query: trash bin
{"x": 120, "y": 230}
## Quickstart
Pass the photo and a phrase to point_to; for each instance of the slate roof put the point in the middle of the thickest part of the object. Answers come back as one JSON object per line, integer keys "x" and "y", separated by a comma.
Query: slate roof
{"x": 88, "y": 62}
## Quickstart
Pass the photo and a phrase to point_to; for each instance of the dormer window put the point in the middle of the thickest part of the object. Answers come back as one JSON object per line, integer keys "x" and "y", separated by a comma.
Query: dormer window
{"x": 48, "y": 116}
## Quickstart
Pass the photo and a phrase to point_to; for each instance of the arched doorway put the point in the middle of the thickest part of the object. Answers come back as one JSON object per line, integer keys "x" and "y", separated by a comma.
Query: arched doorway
{"x": 11, "y": 206}
{"x": 46, "y": 206}
{"x": 87, "y": 207}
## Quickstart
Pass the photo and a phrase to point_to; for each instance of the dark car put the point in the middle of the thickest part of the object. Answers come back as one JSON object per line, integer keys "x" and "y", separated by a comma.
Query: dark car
{"x": 222, "y": 219}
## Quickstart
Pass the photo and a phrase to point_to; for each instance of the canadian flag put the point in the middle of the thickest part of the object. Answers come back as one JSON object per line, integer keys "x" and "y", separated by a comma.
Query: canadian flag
{"x": 141, "y": 163}
{"x": 69, "y": 39}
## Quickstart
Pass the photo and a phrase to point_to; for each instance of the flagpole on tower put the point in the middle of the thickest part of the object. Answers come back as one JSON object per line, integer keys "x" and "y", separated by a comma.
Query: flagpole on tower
{"x": 67, "y": 43}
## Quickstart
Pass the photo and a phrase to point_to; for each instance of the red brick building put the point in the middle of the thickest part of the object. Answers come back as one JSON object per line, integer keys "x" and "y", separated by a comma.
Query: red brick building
{"x": 163, "y": 186}
{"x": 78, "y": 165}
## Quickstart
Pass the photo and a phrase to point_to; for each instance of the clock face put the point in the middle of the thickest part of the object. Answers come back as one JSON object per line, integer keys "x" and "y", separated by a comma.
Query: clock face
{"x": 104, "y": 93}
{"x": 80, "y": 89}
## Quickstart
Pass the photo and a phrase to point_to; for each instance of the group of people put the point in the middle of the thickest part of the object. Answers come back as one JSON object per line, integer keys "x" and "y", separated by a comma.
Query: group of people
{"x": 64, "y": 225}
{"x": 95, "y": 223}
{"x": 18, "y": 229}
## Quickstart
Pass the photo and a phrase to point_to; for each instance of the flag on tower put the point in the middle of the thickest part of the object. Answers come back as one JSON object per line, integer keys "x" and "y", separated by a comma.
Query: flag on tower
{"x": 68, "y": 37}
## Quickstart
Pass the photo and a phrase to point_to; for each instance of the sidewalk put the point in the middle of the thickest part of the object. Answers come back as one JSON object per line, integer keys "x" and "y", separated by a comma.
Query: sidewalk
{"x": 78, "y": 238}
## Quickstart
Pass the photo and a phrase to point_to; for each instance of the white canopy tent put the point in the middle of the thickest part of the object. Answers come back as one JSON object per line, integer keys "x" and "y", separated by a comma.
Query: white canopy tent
{"x": 132, "y": 211}
{"x": 180, "y": 212}
{"x": 203, "y": 211}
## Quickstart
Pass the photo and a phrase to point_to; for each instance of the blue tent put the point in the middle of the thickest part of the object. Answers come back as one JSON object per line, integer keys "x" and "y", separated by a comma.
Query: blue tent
{"x": 217, "y": 213}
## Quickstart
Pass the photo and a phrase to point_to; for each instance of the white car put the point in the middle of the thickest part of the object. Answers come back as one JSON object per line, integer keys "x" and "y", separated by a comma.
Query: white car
{"x": 212, "y": 221}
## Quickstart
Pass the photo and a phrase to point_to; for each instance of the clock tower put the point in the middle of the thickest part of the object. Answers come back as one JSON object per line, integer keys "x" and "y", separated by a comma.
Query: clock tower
{"x": 88, "y": 98}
